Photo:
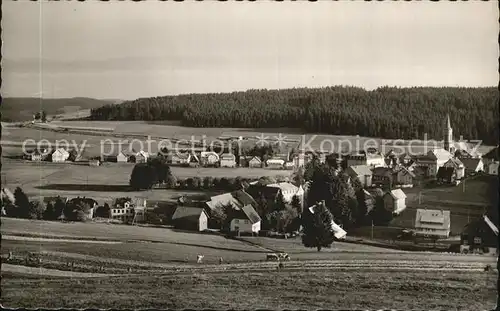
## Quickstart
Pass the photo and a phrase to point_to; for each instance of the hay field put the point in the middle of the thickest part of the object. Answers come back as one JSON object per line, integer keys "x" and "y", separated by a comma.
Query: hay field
{"x": 107, "y": 181}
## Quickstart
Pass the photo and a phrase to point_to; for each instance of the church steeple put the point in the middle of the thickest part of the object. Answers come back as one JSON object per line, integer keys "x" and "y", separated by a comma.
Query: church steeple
{"x": 448, "y": 136}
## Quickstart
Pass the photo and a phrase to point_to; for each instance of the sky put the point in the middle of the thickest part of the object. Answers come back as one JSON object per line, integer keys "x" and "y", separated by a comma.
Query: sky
{"x": 127, "y": 50}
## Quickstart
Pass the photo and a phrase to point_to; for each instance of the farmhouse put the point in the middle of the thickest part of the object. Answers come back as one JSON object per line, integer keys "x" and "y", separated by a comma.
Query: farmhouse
{"x": 491, "y": 156}
{"x": 228, "y": 160}
{"x": 493, "y": 168}
{"x": 123, "y": 210}
{"x": 141, "y": 157}
{"x": 275, "y": 163}
{"x": 209, "y": 158}
{"x": 447, "y": 175}
{"x": 289, "y": 190}
{"x": 434, "y": 223}
{"x": 363, "y": 158}
{"x": 122, "y": 157}
{"x": 37, "y": 155}
{"x": 433, "y": 160}
{"x": 481, "y": 234}
{"x": 457, "y": 165}
{"x": 299, "y": 160}
{"x": 395, "y": 201}
{"x": 245, "y": 220}
{"x": 404, "y": 177}
{"x": 94, "y": 162}
{"x": 255, "y": 162}
{"x": 180, "y": 158}
{"x": 194, "y": 161}
{"x": 190, "y": 218}
{"x": 382, "y": 176}
{"x": 473, "y": 165}
{"x": 60, "y": 155}
{"x": 362, "y": 172}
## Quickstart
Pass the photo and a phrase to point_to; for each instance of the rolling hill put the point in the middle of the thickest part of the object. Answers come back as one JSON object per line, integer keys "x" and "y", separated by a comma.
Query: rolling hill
{"x": 16, "y": 109}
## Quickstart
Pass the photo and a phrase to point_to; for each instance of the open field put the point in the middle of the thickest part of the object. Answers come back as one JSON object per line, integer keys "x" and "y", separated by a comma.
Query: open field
{"x": 165, "y": 274}
{"x": 138, "y": 129}
{"x": 107, "y": 181}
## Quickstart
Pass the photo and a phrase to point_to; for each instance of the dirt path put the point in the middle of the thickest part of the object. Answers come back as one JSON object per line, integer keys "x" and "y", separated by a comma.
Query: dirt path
{"x": 48, "y": 272}
{"x": 36, "y": 239}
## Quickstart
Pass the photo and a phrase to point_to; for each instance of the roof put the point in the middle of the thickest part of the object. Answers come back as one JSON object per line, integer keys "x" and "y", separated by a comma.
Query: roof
{"x": 62, "y": 151}
{"x": 187, "y": 213}
{"x": 361, "y": 170}
{"x": 471, "y": 163}
{"x": 490, "y": 224}
{"x": 455, "y": 162}
{"x": 492, "y": 154}
{"x": 247, "y": 212}
{"x": 227, "y": 156}
{"x": 440, "y": 154}
{"x": 275, "y": 161}
{"x": 382, "y": 171}
{"x": 445, "y": 172}
{"x": 284, "y": 186}
{"x": 6, "y": 193}
{"x": 426, "y": 217}
{"x": 256, "y": 159}
{"x": 397, "y": 194}
{"x": 221, "y": 199}
{"x": 376, "y": 155}
{"x": 406, "y": 171}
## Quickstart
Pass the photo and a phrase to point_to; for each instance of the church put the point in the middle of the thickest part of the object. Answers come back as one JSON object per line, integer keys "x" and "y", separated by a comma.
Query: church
{"x": 449, "y": 156}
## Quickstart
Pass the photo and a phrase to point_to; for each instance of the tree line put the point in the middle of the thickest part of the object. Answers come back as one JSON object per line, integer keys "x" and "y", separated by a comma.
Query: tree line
{"x": 76, "y": 209}
{"x": 387, "y": 112}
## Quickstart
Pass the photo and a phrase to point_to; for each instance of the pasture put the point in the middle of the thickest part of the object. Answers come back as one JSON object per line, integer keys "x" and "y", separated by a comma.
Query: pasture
{"x": 110, "y": 180}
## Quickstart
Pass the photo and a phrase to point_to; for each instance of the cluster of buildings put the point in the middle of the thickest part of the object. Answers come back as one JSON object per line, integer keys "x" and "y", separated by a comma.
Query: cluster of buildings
{"x": 53, "y": 155}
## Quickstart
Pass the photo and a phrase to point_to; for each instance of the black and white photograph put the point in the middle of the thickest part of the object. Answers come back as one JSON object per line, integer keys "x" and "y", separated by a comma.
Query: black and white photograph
{"x": 246, "y": 155}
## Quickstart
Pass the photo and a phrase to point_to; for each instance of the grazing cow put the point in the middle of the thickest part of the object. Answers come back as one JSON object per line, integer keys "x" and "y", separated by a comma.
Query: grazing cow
{"x": 199, "y": 258}
{"x": 284, "y": 256}
{"x": 221, "y": 260}
{"x": 272, "y": 257}
{"x": 10, "y": 256}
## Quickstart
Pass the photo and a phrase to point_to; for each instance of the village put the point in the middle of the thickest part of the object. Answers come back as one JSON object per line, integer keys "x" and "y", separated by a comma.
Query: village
{"x": 385, "y": 178}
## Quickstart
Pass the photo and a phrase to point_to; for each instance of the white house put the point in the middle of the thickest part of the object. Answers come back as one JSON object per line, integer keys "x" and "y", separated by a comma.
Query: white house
{"x": 433, "y": 160}
{"x": 190, "y": 218}
{"x": 395, "y": 201}
{"x": 289, "y": 190}
{"x": 245, "y": 220}
{"x": 141, "y": 157}
{"x": 123, "y": 210}
{"x": 228, "y": 160}
{"x": 435, "y": 223}
{"x": 209, "y": 158}
{"x": 275, "y": 163}
{"x": 493, "y": 168}
{"x": 362, "y": 172}
{"x": 122, "y": 157}
{"x": 60, "y": 155}
{"x": 375, "y": 159}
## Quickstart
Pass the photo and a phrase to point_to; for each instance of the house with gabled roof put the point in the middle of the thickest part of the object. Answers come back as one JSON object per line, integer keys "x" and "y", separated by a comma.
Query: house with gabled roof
{"x": 123, "y": 156}
{"x": 433, "y": 223}
{"x": 190, "y": 218}
{"x": 481, "y": 234}
{"x": 362, "y": 172}
{"x": 288, "y": 190}
{"x": 473, "y": 165}
{"x": 404, "y": 177}
{"x": 227, "y": 160}
{"x": 245, "y": 220}
{"x": 60, "y": 155}
{"x": 395, "y": 201}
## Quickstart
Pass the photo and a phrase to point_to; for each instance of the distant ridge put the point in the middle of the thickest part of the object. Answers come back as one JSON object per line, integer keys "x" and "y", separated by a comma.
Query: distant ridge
{"x": 16, "y": 109}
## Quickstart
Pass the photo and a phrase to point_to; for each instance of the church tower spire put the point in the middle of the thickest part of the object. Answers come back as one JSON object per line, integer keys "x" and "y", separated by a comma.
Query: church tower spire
{"x": 448, "y": 136}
